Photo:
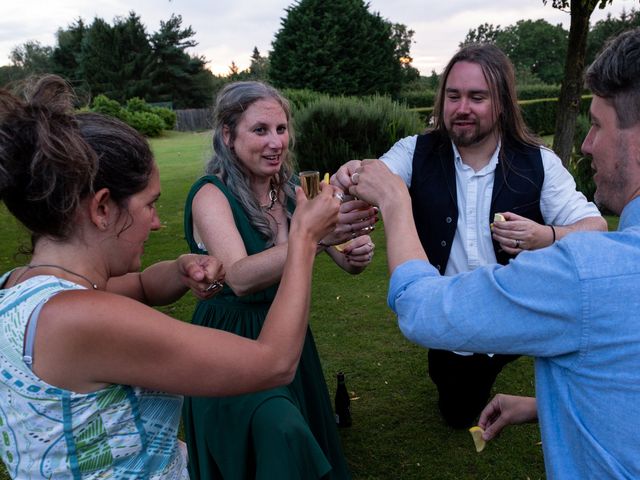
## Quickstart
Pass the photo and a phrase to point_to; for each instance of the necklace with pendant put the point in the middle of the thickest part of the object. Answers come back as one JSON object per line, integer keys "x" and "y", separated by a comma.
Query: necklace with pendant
{"x": 273, "y": 197}
{"x": 50, "y": 265}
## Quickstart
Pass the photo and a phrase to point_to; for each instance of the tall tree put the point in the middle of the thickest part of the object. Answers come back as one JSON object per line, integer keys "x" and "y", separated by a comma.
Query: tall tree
{"x": 176, "y": 76}
{"x": 608, "y": 28}
{"x": 533, "y": 59}
{"x": 32, "y": 57}
{"x": 114, "y": 59}
{"x": 403, "y": 39}
{"x": 544, "y": 59}
{"x": 259, "y": 68}
{"x": 66, "y": 54}
{"x": 485, "y": 33}
{"x": 337, "y": 47}
{"x": 10, "y": 74}
{"x": 572, "y": 84}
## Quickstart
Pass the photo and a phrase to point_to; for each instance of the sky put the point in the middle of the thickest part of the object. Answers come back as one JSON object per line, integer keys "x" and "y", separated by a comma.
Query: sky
{"x": 228, "y": 30}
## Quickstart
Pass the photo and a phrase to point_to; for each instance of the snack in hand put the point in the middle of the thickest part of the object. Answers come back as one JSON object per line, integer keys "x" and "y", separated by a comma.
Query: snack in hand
{"x": 478, "y": 441}
{"x": 498, "y": 217}
{"x": 326, "y": 179}
{"x": 340, "y": 247}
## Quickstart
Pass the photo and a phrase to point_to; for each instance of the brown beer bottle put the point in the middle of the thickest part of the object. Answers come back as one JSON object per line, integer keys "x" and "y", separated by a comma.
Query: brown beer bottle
{"x": 342, "y": 403}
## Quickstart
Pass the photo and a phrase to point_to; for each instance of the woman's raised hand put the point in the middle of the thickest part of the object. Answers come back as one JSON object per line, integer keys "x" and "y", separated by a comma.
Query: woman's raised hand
{"x": 317, "y": 217}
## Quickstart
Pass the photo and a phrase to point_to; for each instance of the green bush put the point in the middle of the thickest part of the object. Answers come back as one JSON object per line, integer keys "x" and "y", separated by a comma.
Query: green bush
{"x": 137, "y": 104}
{"x": 540, "y": 114}
{"x": 532, "y": 92}
{"x": 146, "y": 123}
{"x": 299, "y": 98}
{"x": 579, "y": 164}
{"x": 333, "y": 130}
{"x": 146, "y": 119}
{"x": 167, "y": 115}
{"x": 106, "y": 106}
{"x": 417, "y": 98}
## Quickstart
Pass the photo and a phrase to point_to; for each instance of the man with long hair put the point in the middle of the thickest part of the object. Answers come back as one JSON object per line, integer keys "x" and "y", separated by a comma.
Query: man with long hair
{"x": 480, "y": 159}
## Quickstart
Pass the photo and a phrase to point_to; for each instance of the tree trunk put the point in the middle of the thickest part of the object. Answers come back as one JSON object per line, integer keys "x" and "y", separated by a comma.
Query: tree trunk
{"x": 570, "y": 92}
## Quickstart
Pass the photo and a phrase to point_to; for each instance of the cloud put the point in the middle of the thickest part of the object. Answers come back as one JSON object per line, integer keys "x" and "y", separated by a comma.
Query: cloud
{"x": 228, "y": 31}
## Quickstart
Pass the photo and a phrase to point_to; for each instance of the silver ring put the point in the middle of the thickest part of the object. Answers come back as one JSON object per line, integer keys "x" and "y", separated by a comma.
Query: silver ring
{"x": 354, "y": 234}
{"x": 339, "y": 196}
{"x": 354, "y": 178}
{"x": 517, "y": 243}
{"x": 215, "y": 285}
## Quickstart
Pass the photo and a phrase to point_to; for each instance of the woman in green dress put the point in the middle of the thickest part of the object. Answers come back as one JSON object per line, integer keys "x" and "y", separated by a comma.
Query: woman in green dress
{"x": 239, "y": 212}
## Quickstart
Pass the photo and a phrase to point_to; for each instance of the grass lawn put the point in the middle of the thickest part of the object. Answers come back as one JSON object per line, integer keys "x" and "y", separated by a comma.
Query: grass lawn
{"x": 396, "y": 432}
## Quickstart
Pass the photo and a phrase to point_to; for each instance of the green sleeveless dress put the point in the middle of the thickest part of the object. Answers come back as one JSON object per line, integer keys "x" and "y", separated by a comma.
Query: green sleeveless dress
{"x": 283, "y": 433}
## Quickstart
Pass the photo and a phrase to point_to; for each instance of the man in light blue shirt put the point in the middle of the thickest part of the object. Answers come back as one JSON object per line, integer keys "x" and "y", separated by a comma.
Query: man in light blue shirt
{"x": 574, "y": 306}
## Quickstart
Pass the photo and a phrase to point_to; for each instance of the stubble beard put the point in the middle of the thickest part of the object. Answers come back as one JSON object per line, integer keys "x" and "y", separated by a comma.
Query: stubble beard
{"x": 468, "y": 138}
{"x": 610, "y": 194}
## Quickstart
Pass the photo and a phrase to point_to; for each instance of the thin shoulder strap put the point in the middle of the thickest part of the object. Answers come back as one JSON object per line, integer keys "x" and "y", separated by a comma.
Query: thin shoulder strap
{"x": 30, "y": 335}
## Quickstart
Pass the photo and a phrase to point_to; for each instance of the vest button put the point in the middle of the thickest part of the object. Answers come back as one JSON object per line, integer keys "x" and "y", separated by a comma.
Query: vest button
{"x": 438, "y": 267}
{"x": 448, "y": 220}
{"x": 443, "y": 243}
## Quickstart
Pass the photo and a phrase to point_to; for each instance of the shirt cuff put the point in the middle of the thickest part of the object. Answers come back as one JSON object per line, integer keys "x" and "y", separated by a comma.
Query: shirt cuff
{"x": 405, "y": 274}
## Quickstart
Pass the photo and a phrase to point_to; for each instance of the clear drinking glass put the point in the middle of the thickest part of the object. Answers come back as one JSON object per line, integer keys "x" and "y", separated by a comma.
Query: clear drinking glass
{"x": 310, "y": 182}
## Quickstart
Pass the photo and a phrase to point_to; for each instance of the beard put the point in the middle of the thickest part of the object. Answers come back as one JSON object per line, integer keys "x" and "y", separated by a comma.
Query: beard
{"x": 467, "y": 137}
{"x": 611, "y": 190}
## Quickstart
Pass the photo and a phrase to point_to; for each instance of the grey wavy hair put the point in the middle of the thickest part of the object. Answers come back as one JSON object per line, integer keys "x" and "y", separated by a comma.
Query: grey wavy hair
{"x": 231, "y": 103}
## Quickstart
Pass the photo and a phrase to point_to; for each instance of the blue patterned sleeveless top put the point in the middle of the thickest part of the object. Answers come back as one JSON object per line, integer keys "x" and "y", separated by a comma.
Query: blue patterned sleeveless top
{"x": 119, "y": 432}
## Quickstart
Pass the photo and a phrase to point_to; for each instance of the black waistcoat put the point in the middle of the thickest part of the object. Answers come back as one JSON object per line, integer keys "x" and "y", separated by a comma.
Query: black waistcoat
{"x": 516, "y": 188}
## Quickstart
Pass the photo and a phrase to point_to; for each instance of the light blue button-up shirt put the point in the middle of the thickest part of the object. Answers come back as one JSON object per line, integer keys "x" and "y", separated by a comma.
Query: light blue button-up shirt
{"x": 575, "y": 306}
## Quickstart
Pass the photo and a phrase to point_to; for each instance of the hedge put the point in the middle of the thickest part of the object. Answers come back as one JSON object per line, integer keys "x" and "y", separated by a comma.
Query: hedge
{"x": 539, "y": 115}
{"x": 146, "y": 119}
{"x": 332, "y": 130}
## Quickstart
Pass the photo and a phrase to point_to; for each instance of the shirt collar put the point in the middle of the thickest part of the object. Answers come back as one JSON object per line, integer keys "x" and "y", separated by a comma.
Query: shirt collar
{"x": 630, "y": 215}
{"x": 490, "y": 167}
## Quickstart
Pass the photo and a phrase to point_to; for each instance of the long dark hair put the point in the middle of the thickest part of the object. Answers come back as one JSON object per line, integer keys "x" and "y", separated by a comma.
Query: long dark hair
{"x": 500, "y": 76}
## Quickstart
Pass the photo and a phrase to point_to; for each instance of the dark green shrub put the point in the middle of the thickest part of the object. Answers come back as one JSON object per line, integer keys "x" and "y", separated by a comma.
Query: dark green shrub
{"x": 579, "y": 164}
{"x": 333, "y": 130}
{"x": 532, "y": 92}
{"x": 147, "y": 123}
{"x": 148, "y": 120}
{"x": 137, "y": 104}
{"x": 106, "y": 106}
{"x": 540, "y": 115}
{"x": 167, "y": 115}
{"x": 299, "y": 98}
{"x": 417, "y": 98}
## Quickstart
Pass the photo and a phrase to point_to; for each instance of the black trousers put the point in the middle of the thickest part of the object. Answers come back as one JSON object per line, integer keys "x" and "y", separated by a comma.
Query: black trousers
{"x": 464, "y": 383}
